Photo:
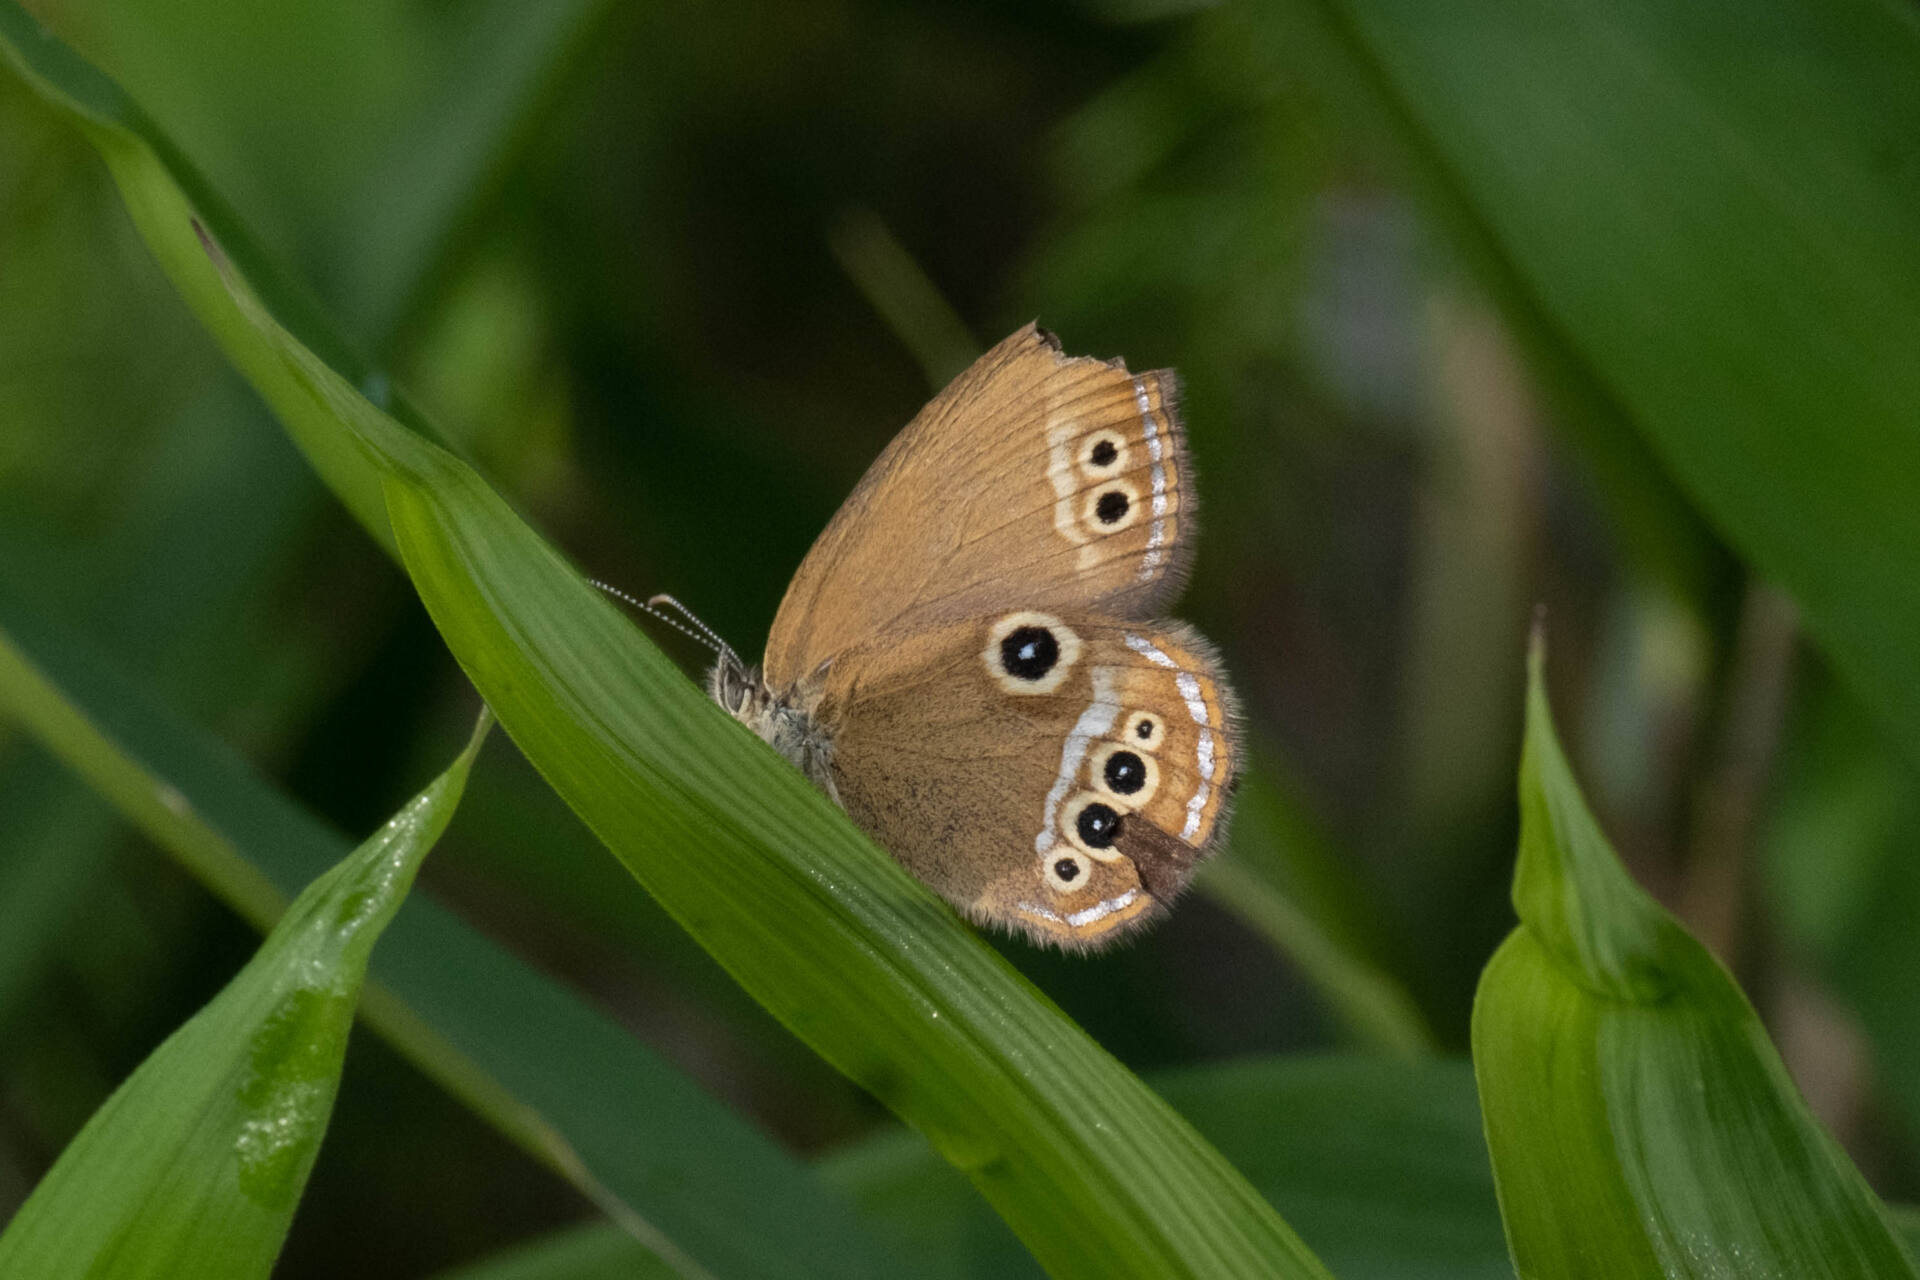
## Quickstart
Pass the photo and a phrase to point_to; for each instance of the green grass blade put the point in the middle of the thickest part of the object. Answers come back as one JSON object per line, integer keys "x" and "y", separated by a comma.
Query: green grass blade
{"x": 59, "y": 835}
{"x": 1714, "y": 209}
{"x": 1906, "y": 1221}
{"x": 1093, "y": 1171}
{"x": 160, "y": 187}
{"x": 1096, "y": 1173}
{"x": 194, "y": 1166}
{"x": 1379, "y": 1163}
{"x": 1282, "y": 881}
{"x": 1640, "y": 1122}
{"x": 591, "y": 1252}
{"x": 505, "y": 67}
{"x": 1098, "y": 1176}
{"x": 562, "y": 1080}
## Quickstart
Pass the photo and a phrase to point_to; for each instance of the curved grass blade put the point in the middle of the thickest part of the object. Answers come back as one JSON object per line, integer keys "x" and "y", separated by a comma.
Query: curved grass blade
{"x": 1640, "y": 1122}
{"x": 1380, "y": 1163}
{"x": 196, "y": 1163}
{"x": 1713, "y": 208}
{"x": 159, "y": 185}
{"x": 58, "y": 838}
{"x": 1279, "y": 878}
{"x": 1097, "y": 1175}
{"x": 1093, "y": 1171}
{"x": 505, "y": 66}
{"x": 660, "y": 1157}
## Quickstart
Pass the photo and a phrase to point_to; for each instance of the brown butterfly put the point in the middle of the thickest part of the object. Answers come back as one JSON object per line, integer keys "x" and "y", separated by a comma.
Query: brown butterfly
{"x": 970, "y": 660}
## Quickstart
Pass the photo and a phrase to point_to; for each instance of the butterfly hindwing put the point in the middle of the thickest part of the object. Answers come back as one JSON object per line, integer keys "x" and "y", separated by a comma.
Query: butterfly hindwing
{"x": 1035, "y": 480}
{"x": 1057, "y": 774}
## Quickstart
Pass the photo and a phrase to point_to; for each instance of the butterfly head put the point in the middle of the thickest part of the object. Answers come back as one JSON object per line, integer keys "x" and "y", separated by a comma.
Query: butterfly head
{"x": 783, "y": 719}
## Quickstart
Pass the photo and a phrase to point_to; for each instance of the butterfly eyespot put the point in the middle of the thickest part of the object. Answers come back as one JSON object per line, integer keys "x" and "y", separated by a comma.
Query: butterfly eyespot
{"x": 1112, "y": 507}
{"x": 1145, "y": 730}
{"x": 1091, "y": 822}
{"x": 1128, "y": 777}
{"x": 1030, "y": 652}
{"x": 1126, "y": 773}
{"x": 1103, "y": 455}
{"x": 1098, "y": 826}
{"x": 1066, "y": 872}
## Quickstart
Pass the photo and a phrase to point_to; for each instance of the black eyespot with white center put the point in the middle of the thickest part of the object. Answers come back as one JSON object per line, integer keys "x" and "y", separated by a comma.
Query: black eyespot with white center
{"x": 1098, "y": 826}
{"x": 1111, "y": 507}
{"x": 1126, "y": 773}
{"x": 1143, "y": 730}
{"x": 1124, "y": 777}
{"x": 1029, "y": 653}
{"x": 1067, "y": 869}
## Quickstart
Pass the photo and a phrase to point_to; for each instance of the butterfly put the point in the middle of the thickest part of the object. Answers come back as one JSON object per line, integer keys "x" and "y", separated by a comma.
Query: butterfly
{"x": 971, "y": 660}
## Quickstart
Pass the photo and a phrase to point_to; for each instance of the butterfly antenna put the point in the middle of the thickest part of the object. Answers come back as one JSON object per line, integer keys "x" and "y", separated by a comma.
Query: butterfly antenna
{"x": 720, "y": 646}
{"x": 703, "y": 635}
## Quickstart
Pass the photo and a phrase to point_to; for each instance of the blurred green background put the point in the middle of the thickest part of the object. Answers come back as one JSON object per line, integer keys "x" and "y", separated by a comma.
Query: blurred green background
{"x": 675, "y": 274}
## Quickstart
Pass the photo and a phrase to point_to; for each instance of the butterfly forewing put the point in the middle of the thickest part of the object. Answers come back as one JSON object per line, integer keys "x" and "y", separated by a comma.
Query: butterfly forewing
{"x": 1036, "y": 480}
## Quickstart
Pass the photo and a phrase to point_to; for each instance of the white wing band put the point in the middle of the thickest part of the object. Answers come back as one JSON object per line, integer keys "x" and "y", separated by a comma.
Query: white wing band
{"x": 1156, "y": 452}
{"x": 1094, "y": 722}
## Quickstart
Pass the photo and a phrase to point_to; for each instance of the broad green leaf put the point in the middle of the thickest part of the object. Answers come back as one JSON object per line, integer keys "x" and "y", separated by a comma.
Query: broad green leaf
{"x": 1097, "y": 1175}
{"x": 1639, "y": 1121}
{"x": 196, "y": 1163}
{"x": 659, "y": 1156}
{"x": 1714, "y": 208}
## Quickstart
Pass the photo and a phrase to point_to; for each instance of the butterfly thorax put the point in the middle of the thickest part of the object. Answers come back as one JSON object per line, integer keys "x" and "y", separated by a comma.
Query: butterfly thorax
{"x": 782, "y": 718}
